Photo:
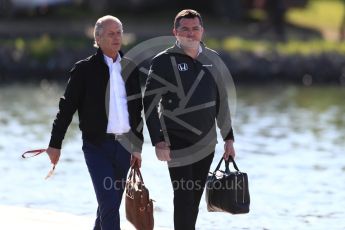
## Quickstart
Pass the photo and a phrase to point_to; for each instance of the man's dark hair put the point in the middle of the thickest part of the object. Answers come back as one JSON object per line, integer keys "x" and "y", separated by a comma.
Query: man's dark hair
{"x": 188, "y": 13}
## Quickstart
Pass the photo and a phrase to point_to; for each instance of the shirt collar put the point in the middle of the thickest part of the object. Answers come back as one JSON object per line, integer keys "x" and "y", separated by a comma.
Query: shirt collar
{"x": 110, "y": 61}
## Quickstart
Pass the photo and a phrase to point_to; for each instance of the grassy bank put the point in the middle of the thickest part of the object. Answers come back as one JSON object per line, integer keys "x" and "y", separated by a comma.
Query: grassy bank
{"x": 42, "y": 47}
{"x": 312, "y": 47}
{"x": 322, "y": 15}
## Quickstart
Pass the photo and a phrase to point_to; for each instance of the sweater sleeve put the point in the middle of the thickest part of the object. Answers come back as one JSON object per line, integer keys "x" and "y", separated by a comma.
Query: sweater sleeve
{"x": 223, "y": 109}
{"x": 136, "y": 108}
{"x": 152, "y": 95}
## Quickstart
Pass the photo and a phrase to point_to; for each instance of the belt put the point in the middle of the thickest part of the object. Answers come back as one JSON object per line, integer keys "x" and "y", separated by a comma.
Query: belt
{"x": 115, "y": 137}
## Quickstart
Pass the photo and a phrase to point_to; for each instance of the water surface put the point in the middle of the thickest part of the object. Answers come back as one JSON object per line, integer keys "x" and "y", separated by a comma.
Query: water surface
{"x": 290, "y": 141}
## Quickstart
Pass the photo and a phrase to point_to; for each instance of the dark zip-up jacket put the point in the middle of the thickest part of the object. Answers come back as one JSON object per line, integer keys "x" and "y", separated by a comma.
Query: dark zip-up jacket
{"x": 87, "y": 92}
{"x": 191, "y": 96}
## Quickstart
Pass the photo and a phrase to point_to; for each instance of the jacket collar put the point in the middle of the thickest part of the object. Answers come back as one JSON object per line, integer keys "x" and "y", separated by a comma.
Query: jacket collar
{"x": 177, "y": 48}
{"x": 100, "y": 55}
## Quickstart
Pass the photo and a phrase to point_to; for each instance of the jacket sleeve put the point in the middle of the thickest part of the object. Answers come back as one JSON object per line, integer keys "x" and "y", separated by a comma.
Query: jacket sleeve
{"x": 135, "y": 108}
{"x": 222, "y": 106}
{"x": 67, "y": 106}
{"x": 152, "y": 95}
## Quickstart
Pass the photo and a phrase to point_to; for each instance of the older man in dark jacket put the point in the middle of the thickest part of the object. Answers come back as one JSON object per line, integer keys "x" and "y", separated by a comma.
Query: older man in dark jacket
{"x": 104, "y": 88}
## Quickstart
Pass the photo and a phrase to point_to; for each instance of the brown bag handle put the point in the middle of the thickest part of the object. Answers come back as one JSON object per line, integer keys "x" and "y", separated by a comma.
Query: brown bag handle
{"x": 135, "y": 171}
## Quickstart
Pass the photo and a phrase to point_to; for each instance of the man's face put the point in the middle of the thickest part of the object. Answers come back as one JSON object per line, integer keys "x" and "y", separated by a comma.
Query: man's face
{"x": 110, "y": 38}
{"x": 189, "y": 33}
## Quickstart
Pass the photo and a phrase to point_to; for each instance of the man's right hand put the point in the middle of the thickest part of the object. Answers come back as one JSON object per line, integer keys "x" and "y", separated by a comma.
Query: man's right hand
{"x": 54, "y": 155}
{"x": 162, "y": 151}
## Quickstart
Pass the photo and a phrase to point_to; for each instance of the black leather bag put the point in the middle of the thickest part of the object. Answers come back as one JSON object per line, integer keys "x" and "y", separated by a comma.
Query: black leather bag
{"x": 227, "y": 191}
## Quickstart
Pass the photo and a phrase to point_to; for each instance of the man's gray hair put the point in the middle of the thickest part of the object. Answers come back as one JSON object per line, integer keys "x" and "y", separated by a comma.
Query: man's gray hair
{"x": 99, "y": 26}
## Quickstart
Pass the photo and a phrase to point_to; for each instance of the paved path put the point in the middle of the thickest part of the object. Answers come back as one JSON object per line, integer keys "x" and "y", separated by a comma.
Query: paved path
{"x": 16, "y": 218}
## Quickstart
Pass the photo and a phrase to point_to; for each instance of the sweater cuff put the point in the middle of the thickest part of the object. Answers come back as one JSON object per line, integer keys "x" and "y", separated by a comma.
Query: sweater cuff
{"x": 230, "y": 136}
{"x": 160, "y": 138}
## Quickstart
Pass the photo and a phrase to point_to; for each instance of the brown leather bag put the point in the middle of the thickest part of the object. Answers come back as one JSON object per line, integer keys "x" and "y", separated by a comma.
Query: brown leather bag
{"x": 139, "y": 206}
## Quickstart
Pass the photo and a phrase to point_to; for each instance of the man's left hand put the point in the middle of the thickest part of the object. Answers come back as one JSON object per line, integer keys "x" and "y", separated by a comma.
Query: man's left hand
{"x": 229, "y": 149}
{"x": 136, "y": 159}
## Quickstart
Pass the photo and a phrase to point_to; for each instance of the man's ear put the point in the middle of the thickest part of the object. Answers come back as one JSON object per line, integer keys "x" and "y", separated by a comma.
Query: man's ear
{"x": 203, "y": 32}
{"x": 97, "y": 38}
{"x": 174, "y": 32}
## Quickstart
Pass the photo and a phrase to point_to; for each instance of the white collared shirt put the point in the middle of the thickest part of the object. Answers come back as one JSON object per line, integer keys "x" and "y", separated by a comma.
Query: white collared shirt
{"x": 118, "y": 118}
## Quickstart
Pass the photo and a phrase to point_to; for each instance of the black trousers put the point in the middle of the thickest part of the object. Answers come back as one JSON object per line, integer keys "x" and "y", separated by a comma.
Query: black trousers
{"x": 188, "y": 184}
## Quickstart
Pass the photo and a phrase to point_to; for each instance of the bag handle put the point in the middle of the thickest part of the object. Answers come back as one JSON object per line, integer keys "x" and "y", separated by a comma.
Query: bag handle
{"x": 233, "y": 162}
{"x": 227, "y": 169}
{"x": 138, "y": 173}
{"x": 135, "y": 171}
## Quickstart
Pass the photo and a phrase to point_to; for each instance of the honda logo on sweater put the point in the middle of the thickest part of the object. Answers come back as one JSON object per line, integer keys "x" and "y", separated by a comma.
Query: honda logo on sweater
{"x": 182, "y": 67}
